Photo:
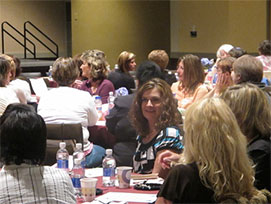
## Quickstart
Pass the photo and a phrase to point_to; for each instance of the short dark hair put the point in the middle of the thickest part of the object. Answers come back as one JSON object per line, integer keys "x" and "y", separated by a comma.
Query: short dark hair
{"x": 22, "y": 135}
{"x": 146, "y": 71}
{"x": 265, "y": 47}
{"x": 4, "y": 70}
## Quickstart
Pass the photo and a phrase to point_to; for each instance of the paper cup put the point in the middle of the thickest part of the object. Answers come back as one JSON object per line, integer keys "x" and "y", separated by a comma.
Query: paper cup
{"x": 88, "y": 188}
{"x": 124, "y": 176}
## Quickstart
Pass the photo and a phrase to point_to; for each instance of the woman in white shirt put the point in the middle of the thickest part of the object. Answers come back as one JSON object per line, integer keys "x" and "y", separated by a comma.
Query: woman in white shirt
{"x": 65, "y": 104}
{"x": 7, "y": 95}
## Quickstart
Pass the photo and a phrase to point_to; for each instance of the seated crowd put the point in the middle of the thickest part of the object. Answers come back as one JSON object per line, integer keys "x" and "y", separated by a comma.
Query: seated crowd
{"x": 207, "y": 134}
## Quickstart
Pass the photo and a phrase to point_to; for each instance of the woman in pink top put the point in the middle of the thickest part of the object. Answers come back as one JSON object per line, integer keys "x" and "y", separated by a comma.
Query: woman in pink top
{"x": 190, "y": 87}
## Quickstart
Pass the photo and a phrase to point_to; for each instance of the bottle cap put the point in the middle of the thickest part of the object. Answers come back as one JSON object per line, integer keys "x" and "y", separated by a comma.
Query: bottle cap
{"x": 78, "y": 145}
{"x": 97, "y": 97}
{"x": 111, "y": 93}
{"x": 62, "y": 145}
{"x": 108, "y": 151}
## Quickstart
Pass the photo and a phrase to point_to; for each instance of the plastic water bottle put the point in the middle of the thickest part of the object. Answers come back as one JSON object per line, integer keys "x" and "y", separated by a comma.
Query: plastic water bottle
{"x": 62, "y": 157}
{"x": 50, "y": 72}
{"x": 116, "y": 67}
{"x": 98, "y": 105}
{"x": 76, "y": 175}
{"x": 110, "y": 100}
{"x": 79, "y": 154}
{"x": 109, "y": 165}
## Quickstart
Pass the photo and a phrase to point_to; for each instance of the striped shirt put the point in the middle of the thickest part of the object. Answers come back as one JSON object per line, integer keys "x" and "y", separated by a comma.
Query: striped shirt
{"x": 145, "y": 154}
{"x": 30, "y": 184}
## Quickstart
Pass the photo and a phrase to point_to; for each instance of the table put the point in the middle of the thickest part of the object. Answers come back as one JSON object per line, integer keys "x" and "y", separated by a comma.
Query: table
{"x": 116, "y": 189}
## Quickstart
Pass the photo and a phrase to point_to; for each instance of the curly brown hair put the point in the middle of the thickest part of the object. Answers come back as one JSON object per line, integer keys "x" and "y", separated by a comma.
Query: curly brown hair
{"x": 170, "y": 116}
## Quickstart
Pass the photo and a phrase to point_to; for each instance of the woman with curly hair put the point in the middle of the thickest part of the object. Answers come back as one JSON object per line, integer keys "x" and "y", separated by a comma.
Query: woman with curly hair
{"x": 156, "y": 119}
{"x": 121, "y": 77}
{"x": 94, "y": 68}
{"x": 214, "y": 166}
{"x": 190, "y": 86}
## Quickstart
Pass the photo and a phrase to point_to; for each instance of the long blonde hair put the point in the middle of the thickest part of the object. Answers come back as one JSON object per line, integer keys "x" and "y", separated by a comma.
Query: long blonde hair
{"x": 215, "y": 142}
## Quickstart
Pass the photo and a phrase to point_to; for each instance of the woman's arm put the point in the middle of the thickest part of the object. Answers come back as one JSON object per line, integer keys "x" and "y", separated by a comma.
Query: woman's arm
{"x": 162, "y": 200}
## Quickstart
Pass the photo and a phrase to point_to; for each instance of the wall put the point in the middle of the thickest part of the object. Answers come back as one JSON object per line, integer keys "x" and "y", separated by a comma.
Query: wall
{"x": 49, "y": 16}
{"x": 113, "y": 26}
{"x": 241, "y": 23}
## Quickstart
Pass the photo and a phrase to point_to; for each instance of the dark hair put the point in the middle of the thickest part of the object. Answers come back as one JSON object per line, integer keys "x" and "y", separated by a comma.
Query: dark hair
{"x": 170, "y": 116}
{"x": 22, "y": 135}
{"x": 265, "y": 47}
{"x": 237, "y": 52}
{"x": 146, "y": 71}
{"x": 4, "y": 70}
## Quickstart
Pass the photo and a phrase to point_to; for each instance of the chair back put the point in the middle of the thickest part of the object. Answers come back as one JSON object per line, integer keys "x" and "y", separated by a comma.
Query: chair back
{"x": 56, "y": 133}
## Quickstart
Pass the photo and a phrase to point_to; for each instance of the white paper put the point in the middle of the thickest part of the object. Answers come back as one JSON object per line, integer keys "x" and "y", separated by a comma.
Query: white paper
{"x": 94, "y": 172}
{"x": 127, "y": 197}
{"x": 39, "y": 86}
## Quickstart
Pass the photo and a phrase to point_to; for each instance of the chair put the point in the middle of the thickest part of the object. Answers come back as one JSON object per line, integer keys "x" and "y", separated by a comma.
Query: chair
{"x": 69, "y": 133}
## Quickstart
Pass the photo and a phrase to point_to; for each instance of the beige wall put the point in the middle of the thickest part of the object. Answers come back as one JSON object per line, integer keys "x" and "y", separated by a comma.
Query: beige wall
{"x": 113, "y": 26}
{"x": 49, "y": 16}
{"x": 241, "y": 23}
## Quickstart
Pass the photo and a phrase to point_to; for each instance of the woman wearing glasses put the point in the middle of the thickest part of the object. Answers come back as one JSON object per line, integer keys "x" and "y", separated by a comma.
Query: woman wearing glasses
{"x": 156, "y": 119}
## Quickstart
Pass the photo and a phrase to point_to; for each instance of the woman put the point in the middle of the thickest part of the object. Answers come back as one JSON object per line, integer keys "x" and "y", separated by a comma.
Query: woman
{"x": 21, "y": 87}
{"x": 253, "y": 113}
{"x": 265, "y": 54}
{"x": 121, "y": 77}
{"x": 7, "y": 95}
{"x": 65, "y": 104}
{"x": 94, "y": 68}
{"x": 190, "y": 87}
{"x": 215, "y": 166}
{"x": 224, "y": 79}
{"x": 155, "y": 117}
{"x": 22, "y": 150}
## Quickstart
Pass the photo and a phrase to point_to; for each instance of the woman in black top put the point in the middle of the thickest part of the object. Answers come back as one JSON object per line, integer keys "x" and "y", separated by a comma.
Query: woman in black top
{"x": 215, "y": 165}
{"x": 121, "y": 77}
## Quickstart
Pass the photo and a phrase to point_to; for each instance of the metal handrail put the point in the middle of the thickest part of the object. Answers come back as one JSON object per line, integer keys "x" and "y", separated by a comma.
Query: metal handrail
{"x": 28, "y": 31}
{"x": 3, "y": 30}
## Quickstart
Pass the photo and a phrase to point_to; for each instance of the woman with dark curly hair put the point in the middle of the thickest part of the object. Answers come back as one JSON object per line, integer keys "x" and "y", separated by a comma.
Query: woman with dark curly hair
{"x": 156, "y": 119}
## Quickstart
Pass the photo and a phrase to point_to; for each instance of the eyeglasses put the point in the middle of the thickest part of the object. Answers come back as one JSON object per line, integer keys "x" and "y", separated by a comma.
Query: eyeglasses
{"x": 154, "y": 100}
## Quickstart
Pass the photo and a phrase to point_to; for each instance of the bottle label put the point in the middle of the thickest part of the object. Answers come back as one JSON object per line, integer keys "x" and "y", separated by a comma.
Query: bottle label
{"x": 76, "y": 182}
{"x": 108, "y": 172}
{"x": 63, "y": 163}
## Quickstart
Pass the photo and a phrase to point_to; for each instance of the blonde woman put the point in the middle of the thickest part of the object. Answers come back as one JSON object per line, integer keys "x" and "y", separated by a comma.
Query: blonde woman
{"x": 215, "y": 166}
{"x": 121, "y": 77}
{"x": 7, "y": 95}
{"x": 252, "y": 110}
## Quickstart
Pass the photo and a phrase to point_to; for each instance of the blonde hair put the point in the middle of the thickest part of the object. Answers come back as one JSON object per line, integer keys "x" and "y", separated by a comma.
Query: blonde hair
{"x": 214, "y": 141}
{"x": 251, "y": 108}
{"x": 124, "y": 60}
{"x": 12, "y": 65}
{"x": 160, "y": 57}
{"x": 96, "y": 60}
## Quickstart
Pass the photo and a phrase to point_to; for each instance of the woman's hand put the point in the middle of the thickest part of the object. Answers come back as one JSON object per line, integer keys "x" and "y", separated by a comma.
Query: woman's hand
{"x": 166, "y": 157}
{"x": 223, "y": 82}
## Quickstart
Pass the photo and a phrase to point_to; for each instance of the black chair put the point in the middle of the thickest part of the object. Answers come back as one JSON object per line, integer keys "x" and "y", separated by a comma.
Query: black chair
{"x": 56, "y": 133}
